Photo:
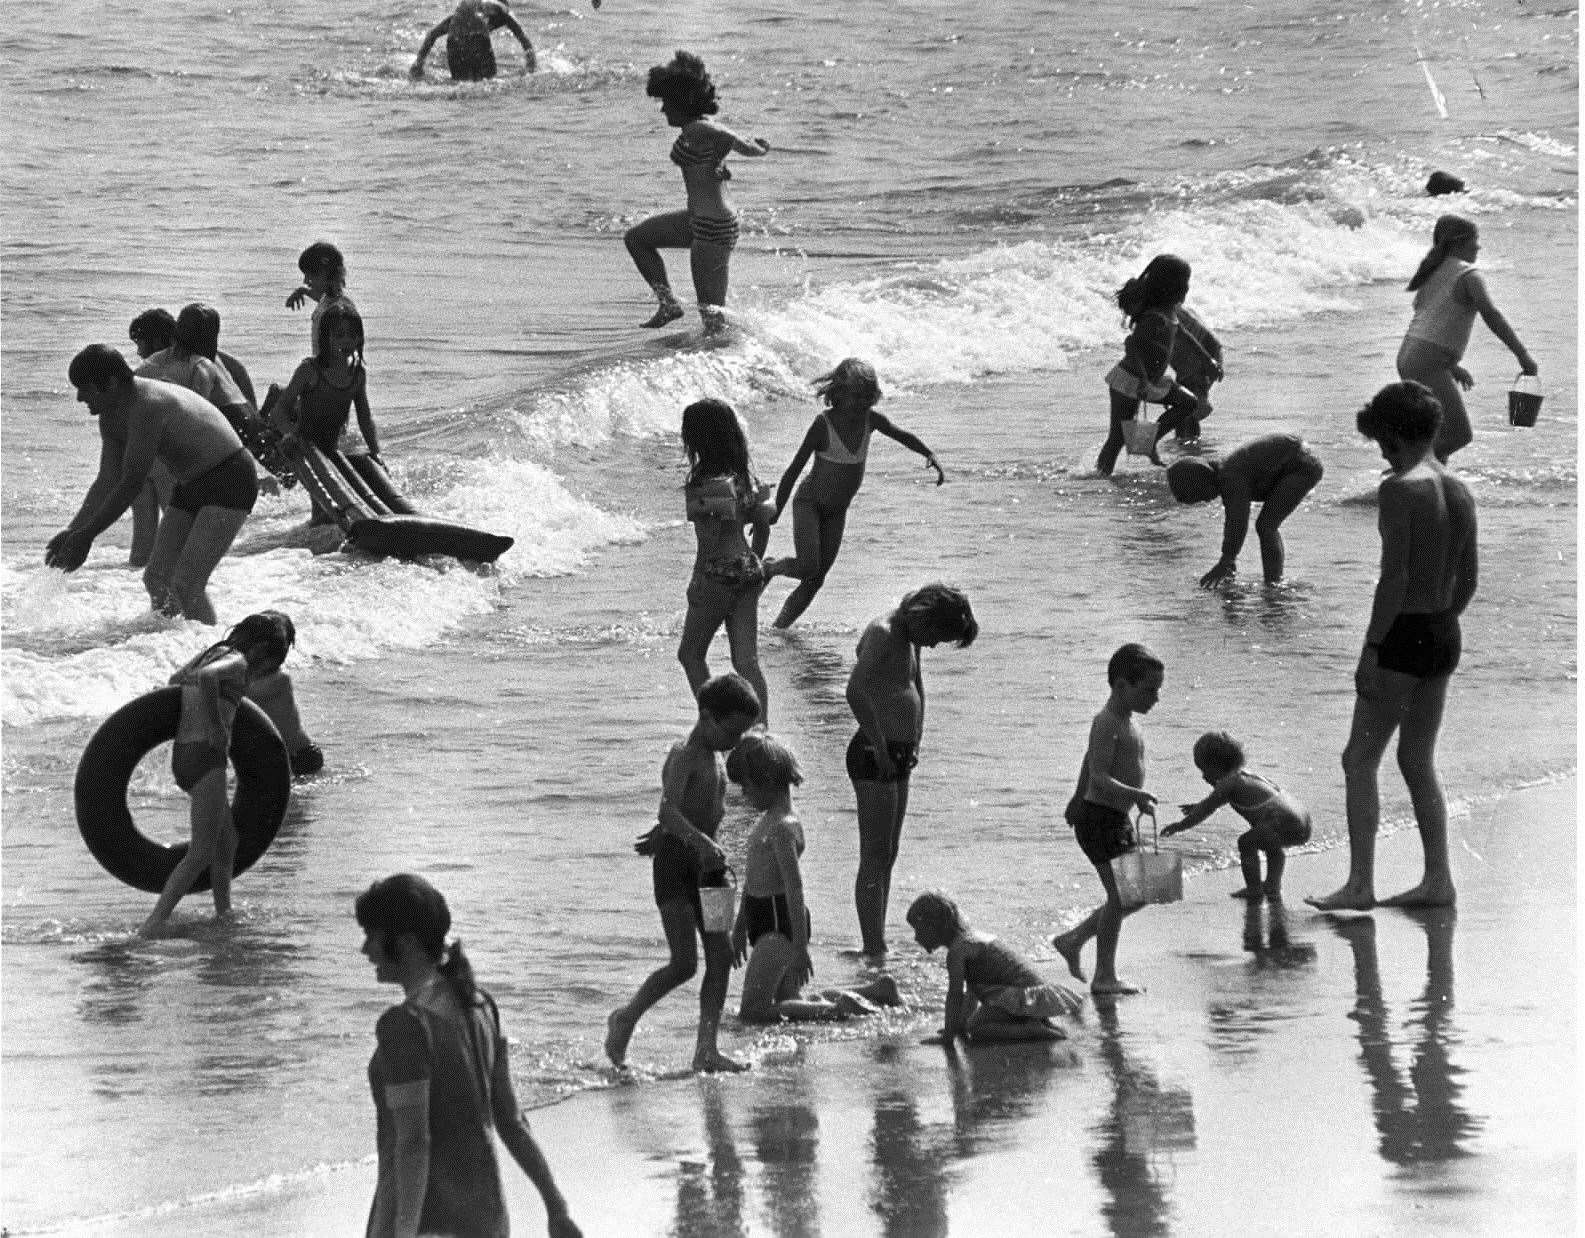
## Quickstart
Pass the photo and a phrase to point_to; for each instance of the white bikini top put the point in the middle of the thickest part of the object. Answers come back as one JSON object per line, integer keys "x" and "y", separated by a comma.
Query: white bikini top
{"x": 836, "y": 451}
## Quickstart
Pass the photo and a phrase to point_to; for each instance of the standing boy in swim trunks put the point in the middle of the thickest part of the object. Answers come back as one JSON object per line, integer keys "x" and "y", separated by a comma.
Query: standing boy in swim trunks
{"x": 1111, "y": 781}
{"x": 143, "y": 421}
{"x": 886, "y": 692}
{"x": 1429, "y": 570}
{"x": 686, "y": 856}
{"x": 1274, "y": 470}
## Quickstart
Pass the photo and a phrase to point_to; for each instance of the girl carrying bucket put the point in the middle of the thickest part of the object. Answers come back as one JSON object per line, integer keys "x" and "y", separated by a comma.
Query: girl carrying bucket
{"x": 1448, "y": 293}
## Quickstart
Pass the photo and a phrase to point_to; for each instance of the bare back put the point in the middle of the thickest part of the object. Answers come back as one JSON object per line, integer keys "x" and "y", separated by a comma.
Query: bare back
{"x": 182, "y": 430}
{"x": 1428, "y": 532}
{"x": 885, "y": 683}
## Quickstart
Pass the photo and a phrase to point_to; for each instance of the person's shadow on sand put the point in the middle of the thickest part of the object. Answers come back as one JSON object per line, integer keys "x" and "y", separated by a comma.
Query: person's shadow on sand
{"x": 1420, "y": 1119}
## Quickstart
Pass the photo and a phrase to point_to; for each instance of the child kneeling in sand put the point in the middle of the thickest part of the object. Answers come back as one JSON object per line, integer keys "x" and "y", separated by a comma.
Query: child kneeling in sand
{"x": 773, "y": 921}
{"x": 992, "y": 992}
{"x": 1276, "y": 819}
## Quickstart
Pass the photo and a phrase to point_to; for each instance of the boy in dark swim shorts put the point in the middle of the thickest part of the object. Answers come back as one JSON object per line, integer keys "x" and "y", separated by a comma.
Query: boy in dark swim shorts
{"x": 685, "y": 856}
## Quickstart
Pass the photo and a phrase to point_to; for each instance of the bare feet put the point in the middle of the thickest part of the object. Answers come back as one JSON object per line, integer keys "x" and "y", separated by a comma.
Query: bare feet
{"x": 667, "y": 311}
{"x": 1253, "y": 896}
{"x": 883, "y": 991}
{"x": 713, "y": 1061}
{"x": 1345, "y": 899}
{"x": 1427, "y": 894}
{"x": 1114, "y": 986}
{"x": 618, "y": 1031}
{"x": 1070, "y": 956}
{"x": 1274, "y": 894}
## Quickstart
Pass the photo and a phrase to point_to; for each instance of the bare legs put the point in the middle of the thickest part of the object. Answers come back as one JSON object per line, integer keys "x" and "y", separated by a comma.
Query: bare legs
{"x": 187, "y": 549}
{"x": 882, "y": 807}
{"x": 1105, "y": 925}
{"x": 1285, "y": 497}
{"x": 709, "y": 606}
{"x": 708, "y": 263}
{"x": 773, "y": 982}
{"x": 1423, "y": 362}
{"x": 817, "y": 537}
{"x": 213, "y": 846}
{"x": 1251, "y": 844}
{"x": 1124, "y": 408}
{"x": 678, "y": 920}
{"x": 1413, "y": 708}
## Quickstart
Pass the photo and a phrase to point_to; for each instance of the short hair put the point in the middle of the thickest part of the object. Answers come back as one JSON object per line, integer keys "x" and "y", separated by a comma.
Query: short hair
{"x": 265, "y": 628}
{"x": 1131, "y": 663}
{"x": 725, "y": 695}
{"x": 1218, "y": 750}
{"x": 684, "y": 83}
{"x": 852, "y": 375}
{"x": 937, "y": 910}
{"x": 154, "y": 327}
{"x": 945, "y": 608}
{"x": 98, "y": 365}
{"x": 198, "y": 329}
{"x": 763, "y": 759}
{"x": 323, "y": 258}
{"x": 1193, "y": 479}
{"x": 406, "y": 903}
{"x": 1407, "y": 412}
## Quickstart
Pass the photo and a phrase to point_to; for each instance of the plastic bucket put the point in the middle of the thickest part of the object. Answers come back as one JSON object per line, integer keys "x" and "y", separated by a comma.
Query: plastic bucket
{"x": 1139, "y": 436}
{"x": 1524, "y": 400}
{"x": 718, "y": 905}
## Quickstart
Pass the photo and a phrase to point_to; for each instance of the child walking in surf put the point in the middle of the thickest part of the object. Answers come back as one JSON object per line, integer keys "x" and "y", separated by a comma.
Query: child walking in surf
{"x": 1150, "y": 303}
{"x": 839, "y": 441}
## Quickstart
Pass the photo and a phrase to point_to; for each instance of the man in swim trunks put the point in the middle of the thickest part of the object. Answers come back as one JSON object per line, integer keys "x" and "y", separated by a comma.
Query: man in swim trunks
{"x": 1274, "y": 470}
{"x": 469, "y": 55}
{"x": 143, "y": 421}
{"x": 1429, "y": 570}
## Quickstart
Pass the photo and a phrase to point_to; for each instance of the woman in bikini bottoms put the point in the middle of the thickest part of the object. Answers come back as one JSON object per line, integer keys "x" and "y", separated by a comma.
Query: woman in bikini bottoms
{"x": 708, "y": 229}
{"x": 723, "y": 496}
{"x": 839, "y": 441}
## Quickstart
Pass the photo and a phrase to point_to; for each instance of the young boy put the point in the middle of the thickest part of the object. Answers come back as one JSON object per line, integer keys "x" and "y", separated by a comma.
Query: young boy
{"x": 686, "y": 856}
{"x": 1276, "y": 819}
{"x": 1111, "y": 781}
{"x": 272, "y": 692}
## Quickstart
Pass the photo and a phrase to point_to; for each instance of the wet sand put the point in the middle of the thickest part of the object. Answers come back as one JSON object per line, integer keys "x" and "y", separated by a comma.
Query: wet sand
{"x": 1286, "y": 1072}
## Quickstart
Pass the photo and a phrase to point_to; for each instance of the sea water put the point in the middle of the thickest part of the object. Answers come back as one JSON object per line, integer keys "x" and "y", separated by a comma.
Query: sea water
{"x": 953, "y": 193}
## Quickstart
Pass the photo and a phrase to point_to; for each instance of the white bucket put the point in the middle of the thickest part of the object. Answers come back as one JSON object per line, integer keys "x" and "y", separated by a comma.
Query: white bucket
{"x": 1139, "y": 436}
{"x": 718, "y": 905}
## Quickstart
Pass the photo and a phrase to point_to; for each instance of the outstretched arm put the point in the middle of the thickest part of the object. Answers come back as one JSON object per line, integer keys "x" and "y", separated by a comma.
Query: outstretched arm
{"x": 506, "y": 19}
{"x": 1193, "y": 814}
{"x": 913, "y": 442}
{"x": 429, "y": 41}
{"x": 1475, "y": 287}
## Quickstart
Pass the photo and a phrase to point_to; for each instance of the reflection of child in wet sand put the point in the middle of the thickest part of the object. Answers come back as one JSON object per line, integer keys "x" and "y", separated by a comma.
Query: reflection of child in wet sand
{"x": 1274, "y": 470}
{"x": 773, "y": 921}
{"x": 1276, "y": 819}
{"x": 686, "y": 856}
{"x": 839, "y": 441}
{"x": 1111, "y": 781}
{"x": 992, "y": 993}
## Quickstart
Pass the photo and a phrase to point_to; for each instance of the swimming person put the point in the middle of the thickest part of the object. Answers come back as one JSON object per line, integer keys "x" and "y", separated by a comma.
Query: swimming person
{"x": 839, "y": 441}
{"x": 469, "y": 55}
{"x": 1150, "y": 304}
{"x": 143, "y": 421}
{"x": 886, "y": 692}
{"x": 1274, "y": 470}
{"x": 1448, "y": 293}
{"x": 708, "y": 229}
{"x": 441, "y": 1079}
{"x": 213, "y": 685}
{"x": 1430, "y": 566}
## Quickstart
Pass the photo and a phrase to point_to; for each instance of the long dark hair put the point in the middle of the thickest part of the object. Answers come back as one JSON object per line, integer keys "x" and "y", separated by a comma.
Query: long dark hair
{"x": 406, "y": 903}
{"x": 1450, "y": 230}
{"x": 713, "y": 439}
{"x": 340, "y": 311}
{"x": 1161, "y": 285}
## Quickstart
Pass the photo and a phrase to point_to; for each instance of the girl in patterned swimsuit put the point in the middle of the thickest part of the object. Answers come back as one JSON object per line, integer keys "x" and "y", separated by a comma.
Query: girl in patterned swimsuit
{"x": 723, "y": 496}
{"x": 839, "y": 441}
{"x": 708, "y": 229}
{"x": 992, "y": 992}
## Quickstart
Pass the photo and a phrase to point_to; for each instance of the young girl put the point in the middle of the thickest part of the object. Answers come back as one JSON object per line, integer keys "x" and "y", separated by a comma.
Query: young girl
{"x": 992, "y": 993}
{"x": 773, "y": 921}
{"x": 1276, "y": 819}
{"x": 1150, "y": 303}
{"x": 886, "y": 692}
{"x": 324, "y": 282}
{"x": 722, "y": 497}
{"x": 213, "y": 685}
{"x": 839, "y": 440}
{"x": 708, "y": 229}
{"x": 1448, "y": 293}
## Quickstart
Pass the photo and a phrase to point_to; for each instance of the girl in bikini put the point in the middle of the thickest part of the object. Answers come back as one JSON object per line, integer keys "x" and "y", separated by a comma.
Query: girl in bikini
{"x": 1150, "y": 302}
{"x": 708, "y": 229}
{"x": 722, "y": 498}
{"x": 839, "y": 441}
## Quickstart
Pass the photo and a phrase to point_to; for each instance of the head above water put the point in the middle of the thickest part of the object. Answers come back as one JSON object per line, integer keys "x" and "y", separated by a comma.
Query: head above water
{"x": 269, "y": 631}
{"x": 1193, "y": 480}
{"x": 152, "y": 331}
{"x": 1218, "y": 752}
{"x": 853, "y": 381}
{"x": 684, "y": 84}
{"x": 713, "y": 440}
{"x": 1401, "y": 413}
{"x": 1448, "y": 234}
{"x": 198, "y": 329}
{"x": 1163, "y": 284}
{"x": 937, "y": 612}
{"x": 1132, "y": 663}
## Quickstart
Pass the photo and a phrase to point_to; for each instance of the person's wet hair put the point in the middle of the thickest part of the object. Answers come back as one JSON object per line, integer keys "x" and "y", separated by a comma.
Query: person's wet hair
{"x": 854, "y": 376}
{"x": 154, "y": 329}
{"x": 945, "y": 608}
{"x": 1162, "y": 284}
{"x": 198, "y": 329}
{"x": 406, "y": 903}
{"x": 1449, "y": 230}
{"x": 97, "y": 365}
{"x": 1131, "y": 663}
{"x": 724, "y": 696}
{"x": 335, "y": 315}
{"x": 1407, "y": 412}
{"x": 1217, "y": 750}
{"x": 939, "y": 911}
{"x": 323, "y": 258}
{"x": 714, "y": 441}
{"x": 263, "y": 629}
{"x": 763, "y": 759}
{"x": 684, "y": 83}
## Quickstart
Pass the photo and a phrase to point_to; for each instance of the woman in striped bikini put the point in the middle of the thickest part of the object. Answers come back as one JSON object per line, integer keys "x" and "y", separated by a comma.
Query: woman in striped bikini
{"x": 708, "y": 228}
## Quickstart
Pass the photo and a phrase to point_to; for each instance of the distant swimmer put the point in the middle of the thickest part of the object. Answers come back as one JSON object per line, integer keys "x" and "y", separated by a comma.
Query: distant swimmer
{"x": 1448, "y": 293}
{"x": 469, "y": 54}
{"x": 143, "y": 421}
{"x": 708, "y": 229}
{"x": 1274, "y": 470}
{"x": 1430, "y": 566}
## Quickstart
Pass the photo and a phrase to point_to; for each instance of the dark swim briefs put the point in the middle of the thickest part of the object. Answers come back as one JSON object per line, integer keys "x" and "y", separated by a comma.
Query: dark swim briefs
{"x": 232, "y": 483}
{"x": 1423, "y": 645}
{"x": 861, "y": 759}
{"x": 1103, "y": 833}
{"x": 191, "y": 761}
{"x": 763, "y": 915}
{"x": 676, "y": 873}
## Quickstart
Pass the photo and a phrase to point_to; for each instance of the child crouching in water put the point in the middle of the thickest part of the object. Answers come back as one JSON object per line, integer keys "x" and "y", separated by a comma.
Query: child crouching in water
{"x": 992, "y": 993}
{"x": 1276, "y": 819}
{"x": 773, "y": 921}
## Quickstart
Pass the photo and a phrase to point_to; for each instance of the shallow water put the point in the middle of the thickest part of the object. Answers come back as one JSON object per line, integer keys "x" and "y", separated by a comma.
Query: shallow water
{"x": 948, "y": 195}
